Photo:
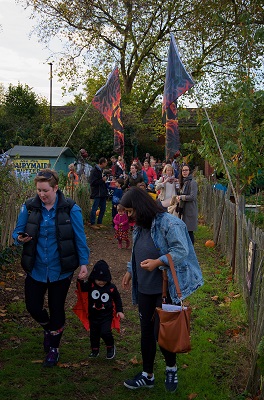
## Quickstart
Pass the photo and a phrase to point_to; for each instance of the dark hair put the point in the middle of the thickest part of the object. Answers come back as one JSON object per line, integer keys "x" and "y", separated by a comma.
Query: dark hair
{"x": 120, "y": 181}
{"x": 180, "y": 174}
{"x": 135, "y": 165}
{"x": 102, "y": 160}
{"x": 145, "y": 206}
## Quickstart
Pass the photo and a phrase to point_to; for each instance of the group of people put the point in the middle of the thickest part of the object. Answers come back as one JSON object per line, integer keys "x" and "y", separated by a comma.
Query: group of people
{"x": 175, "y": 190}
{"x": 51, "y": 230}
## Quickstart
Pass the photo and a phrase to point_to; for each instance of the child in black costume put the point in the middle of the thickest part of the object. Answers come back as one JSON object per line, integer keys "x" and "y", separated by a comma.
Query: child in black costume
{"x": 103, "y": 296}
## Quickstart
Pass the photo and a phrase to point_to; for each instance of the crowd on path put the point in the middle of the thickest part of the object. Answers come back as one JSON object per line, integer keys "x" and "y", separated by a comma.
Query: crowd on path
{"x": 170, "y": 183}
{"x": 157, "y": 201}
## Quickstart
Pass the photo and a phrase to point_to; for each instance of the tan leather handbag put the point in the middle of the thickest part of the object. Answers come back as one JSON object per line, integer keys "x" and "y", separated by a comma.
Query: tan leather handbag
{"x": 174, "y": 326}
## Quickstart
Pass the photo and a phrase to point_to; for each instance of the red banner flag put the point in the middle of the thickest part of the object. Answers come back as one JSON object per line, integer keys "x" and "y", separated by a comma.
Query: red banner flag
{"x": 108, "y": 101}
{"x": 177, "y": 82}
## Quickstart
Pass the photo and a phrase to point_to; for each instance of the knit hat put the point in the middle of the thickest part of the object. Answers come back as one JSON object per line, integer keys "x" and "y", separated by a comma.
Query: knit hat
{"x": 101, "y": 272}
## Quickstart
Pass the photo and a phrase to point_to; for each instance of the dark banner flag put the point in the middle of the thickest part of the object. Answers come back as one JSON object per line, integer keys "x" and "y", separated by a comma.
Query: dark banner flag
{"x": 177, "y": 82}
{"x": 108, "y": 101}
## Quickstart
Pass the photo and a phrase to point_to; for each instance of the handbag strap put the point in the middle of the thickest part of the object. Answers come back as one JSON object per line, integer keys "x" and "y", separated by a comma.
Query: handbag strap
{"x": 174, "y": 276}
{"x": 164, "y": 285}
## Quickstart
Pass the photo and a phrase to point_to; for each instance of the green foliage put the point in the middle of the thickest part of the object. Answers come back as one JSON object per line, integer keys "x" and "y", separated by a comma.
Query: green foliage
{"x": 62, "y": 179}
{"x": 257, "y": 218}
{"x": 9, "y": 254}
{"x": 17, "y": 307}
{"x": 239, "y": 127}
{"x": 23, "y": 114}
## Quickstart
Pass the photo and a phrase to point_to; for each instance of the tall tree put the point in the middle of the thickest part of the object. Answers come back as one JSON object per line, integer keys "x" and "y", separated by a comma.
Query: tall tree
{"x": 23, "y": 114}
{"x": 135, "y": 33}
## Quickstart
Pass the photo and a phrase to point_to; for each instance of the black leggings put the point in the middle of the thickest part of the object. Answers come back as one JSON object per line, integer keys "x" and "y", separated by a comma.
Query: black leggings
{"x": 34, "y": 297}
{"x": 102, "y": 330}
{"x": 147, "y": 304}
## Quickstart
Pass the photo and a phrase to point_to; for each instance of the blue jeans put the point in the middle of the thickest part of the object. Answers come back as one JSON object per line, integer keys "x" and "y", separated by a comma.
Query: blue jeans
{"x": 101, "y": 203}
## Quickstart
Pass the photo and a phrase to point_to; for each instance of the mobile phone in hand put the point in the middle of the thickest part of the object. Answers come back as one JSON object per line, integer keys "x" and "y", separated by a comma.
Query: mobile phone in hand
{"x": 23, "y": 234}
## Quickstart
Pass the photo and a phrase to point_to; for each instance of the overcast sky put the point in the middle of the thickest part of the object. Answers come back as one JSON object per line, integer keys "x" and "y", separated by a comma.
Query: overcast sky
{"x": 24, "y": 59}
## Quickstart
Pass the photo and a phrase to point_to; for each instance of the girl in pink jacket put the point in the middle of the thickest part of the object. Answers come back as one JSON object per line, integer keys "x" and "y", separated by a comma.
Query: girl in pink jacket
{"x": 121, "y": 226}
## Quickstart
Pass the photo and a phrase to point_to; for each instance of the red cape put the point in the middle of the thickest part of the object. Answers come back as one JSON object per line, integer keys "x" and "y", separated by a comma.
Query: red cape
{"x": 81, "y": 310}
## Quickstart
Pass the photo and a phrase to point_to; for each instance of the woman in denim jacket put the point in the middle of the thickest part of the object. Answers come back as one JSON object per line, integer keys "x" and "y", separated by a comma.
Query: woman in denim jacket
{"x": 156, "y": 233}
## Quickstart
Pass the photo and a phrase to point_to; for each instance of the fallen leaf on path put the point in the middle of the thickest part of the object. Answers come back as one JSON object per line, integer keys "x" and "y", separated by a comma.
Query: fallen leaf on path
{"x": 214, "y": 298}
{"x": 184, "y": 366}
{"x": 134, "y": 360}
{"x": 2, "y": 314}
{"x": 192, "y": 396}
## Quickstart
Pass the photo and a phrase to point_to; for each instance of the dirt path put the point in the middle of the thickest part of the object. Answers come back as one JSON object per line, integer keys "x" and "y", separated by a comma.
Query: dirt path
{"x": 102, "y": 246}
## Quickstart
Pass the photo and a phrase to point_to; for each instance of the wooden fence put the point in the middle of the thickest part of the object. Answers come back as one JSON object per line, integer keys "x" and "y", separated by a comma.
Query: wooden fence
{"x": 11, "y": 203}
{"x": 243, "y": 246}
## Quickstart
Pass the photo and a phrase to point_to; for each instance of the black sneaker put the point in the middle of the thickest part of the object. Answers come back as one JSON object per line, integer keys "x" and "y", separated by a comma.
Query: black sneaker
{"x": 46, "y": 341}
{"x": 171, "y": 381}
{"x": 94, "y": 354}
{"x": 139, "y": 381}
{"x": 52, "y": 358}
{"x": 110, "y": 352}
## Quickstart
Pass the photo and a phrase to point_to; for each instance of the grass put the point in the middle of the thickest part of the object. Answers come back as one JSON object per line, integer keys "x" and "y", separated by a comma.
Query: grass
{"x": 213, "y": 370}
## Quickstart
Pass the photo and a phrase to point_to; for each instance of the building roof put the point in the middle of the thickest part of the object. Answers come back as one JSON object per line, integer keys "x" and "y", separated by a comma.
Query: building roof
{"x": 40, "y": 151}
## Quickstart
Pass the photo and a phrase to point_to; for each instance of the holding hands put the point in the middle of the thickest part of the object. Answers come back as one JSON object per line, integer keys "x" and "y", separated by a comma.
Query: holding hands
{"x": 83, "y": 272}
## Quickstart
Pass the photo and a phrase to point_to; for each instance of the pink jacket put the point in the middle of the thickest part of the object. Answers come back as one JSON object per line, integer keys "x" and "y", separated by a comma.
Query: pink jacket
{"x": 121, "y": 219}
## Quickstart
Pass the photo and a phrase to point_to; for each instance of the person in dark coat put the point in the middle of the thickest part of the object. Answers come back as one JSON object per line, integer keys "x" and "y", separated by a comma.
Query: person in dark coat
{"x": 134, "y": 177}
{"x": 99, "y": 193}
{"x": 187, "y": 200}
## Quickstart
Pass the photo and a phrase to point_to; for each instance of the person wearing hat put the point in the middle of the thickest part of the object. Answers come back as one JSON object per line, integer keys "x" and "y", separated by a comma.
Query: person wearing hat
{"x": 104, "y": 301}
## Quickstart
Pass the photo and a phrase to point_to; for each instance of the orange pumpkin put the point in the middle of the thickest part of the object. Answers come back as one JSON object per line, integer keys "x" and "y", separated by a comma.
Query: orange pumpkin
{"x": 97, "y": 212}
{"x": 209, "y": 243}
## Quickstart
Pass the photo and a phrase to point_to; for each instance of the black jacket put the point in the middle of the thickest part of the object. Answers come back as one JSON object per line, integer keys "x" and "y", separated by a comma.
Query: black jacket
{"x": 129, "y": 182}
{"x": 101, "y": 301}
{"x": 65, "y": 235}
{"x": 98, "y": 185}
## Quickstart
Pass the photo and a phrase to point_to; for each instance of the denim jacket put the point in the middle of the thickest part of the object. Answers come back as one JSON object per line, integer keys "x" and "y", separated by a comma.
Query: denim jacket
{"x": 170, "y": 235}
